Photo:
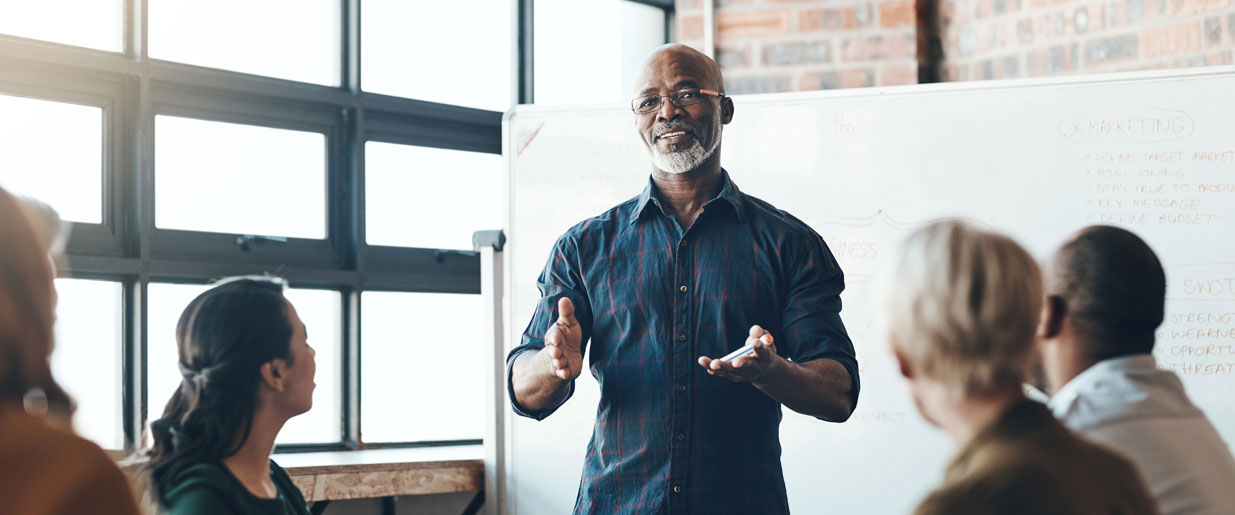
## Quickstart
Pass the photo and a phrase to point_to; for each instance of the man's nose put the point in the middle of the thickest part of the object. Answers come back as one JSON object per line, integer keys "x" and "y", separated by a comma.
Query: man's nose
{"x": 668, "y": 110}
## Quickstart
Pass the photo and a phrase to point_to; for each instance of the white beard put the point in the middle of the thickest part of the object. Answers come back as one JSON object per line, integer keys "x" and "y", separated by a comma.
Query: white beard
{"x": 682, "y": 161}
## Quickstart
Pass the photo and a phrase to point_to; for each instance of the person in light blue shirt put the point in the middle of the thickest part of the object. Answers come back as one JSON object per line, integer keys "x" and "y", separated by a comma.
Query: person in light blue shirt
{"x": 1105, "y": 292}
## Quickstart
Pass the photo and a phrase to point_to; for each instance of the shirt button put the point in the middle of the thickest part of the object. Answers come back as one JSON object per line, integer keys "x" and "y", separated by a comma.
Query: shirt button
{"x": 681, "y": 388}
{"x": 683, "y": 288}
{"x": 682, "y": 337}
{"x": 682, "y": 242}
{"x": 681, "y": 436}
{"x": 677, "y": 489}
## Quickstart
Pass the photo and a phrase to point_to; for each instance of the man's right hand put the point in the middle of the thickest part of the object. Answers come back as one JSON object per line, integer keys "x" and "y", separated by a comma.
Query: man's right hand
{"x": 563, "y": 343}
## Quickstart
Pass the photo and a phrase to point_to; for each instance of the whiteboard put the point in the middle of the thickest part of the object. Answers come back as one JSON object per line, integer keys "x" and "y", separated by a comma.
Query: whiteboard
{"x": 1038, "y": 159}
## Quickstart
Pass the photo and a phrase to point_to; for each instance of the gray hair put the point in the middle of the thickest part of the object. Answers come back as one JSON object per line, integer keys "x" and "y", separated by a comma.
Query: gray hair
{"x": 962, "y": 307}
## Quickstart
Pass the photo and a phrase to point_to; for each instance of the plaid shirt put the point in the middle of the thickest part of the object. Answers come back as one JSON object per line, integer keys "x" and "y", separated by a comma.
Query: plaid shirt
{"x": 669, "y": 438}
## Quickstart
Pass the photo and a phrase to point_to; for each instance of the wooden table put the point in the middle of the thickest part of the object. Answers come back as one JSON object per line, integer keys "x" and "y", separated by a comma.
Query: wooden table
{"x": 386, "y": 473}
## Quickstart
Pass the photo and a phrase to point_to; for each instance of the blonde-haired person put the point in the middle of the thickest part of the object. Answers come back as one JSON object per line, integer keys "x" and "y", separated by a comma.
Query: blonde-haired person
{"x": 961, "y": 320}
{"x": 47, "y": 470}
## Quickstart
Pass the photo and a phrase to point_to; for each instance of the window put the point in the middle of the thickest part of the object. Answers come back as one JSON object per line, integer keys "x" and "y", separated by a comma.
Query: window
{"x": 232, "y": 140}
{"x": 241, "y": 179}
{"x": 286, "y": 39}
{"x": 87, "y": 357}
{"x": 592, "y": 62}
{"x": 416, "y": 385}
{"x": 45, "y": 145}
{"x": 429, "y": 197}
{"x": 468, "y": 38}
{"x": 94, "y": 23}
{"x": 318, "y": 309}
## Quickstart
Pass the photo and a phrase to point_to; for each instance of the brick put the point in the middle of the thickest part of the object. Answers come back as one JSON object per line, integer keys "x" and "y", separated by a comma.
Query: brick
{"x": 1024, "y": 31}
{"x": 732, "y": 57}
{"x": 956, "y": 73}
{"x": 966, "y": 42}
{"x": 898, "y": 13}
{"x": 878, "y": 48}
{"x": 1037, "y": 63}
{"x": 814, "y": 20}
{"x": 690, "y": 27}
{"x": 1061, "y": 58}
{"x": 1011, "y": 67}
{"x": 898, "y": 74}
{"x": 1219, "y": 58}
{"x": 1171, "y": 40}
{"x": 798, "y": 52}
{"x": 1213, "y": 29}
{"x": 859, "y": 16}
{"x": 1134, "y": 10}
{"x": 838, "y": 79}
{"x": 1180, "y": 8}
{"x": 1080, "y": 20}
{"x": 727, "y": 3}
{"x": 757, "y": 84}
{"x": 1100, "y": 51}
{"x": 751, "y": 24}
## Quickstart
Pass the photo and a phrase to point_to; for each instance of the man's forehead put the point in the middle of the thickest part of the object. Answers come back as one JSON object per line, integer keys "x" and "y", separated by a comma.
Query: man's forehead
{"x": 674, "y": 68}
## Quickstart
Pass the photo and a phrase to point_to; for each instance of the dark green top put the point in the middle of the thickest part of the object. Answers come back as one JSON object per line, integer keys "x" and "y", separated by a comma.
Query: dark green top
{"x": 211, "y": 489}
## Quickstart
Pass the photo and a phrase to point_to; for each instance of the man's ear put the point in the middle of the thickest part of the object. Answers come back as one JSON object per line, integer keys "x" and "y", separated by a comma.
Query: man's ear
{"x": 1054, "y": 310}
{"x": 726, "y": 110}
{"x": 274, "y": 374}
{"x": 901, "y": 363}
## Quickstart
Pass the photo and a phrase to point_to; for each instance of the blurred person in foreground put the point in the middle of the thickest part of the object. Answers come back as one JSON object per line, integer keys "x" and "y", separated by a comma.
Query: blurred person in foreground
{"x": 961, "y": 316}
{"x": 45, "y": 469}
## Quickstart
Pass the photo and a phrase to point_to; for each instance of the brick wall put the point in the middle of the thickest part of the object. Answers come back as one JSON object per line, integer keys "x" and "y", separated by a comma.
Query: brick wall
{"x": 766, "y": 46}
{"x": 994, "y": 39}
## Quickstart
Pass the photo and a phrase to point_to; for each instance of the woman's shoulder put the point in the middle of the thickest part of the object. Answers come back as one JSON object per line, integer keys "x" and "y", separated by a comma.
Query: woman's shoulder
{"x": 42, "y": 458}
{"x": 199, "y": 488}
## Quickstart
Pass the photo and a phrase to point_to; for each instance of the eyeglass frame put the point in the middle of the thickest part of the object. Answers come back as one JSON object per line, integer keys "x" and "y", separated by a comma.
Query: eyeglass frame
{"x": 709, "y": 92}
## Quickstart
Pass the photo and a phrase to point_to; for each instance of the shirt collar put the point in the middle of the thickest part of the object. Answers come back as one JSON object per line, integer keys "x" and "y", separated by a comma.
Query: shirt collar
{"x": 1068, "y": 394}
{"x": 729, "y": 192}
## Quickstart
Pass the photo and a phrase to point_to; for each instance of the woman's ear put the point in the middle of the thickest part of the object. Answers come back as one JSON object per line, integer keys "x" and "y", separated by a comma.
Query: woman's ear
{"x": 902, "y": 364}
{"x": 274, "y": 374}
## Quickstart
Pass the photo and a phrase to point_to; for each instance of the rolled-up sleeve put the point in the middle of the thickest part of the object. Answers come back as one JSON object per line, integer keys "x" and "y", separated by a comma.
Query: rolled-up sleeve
{"x": 811, "y": 318}
{"x": 561, "y": 277}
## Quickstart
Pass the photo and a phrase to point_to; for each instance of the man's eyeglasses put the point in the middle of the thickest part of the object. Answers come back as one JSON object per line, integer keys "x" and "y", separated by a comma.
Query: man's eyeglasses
{"x": 681, "y": 98}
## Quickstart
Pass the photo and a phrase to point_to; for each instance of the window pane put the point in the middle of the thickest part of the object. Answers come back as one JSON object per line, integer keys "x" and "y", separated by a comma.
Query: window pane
{"x": 46, "y": 145}
{"x": 92, "y": 23}
{"x": 602, "y": 57}
{"x": 87, "y": 357}
{"x": 418, "y": 386}
{"x": 242, "y": 179}
{"x": 287, "y": 39}
{"x": 429, "y": 197}
{"x": 319, "y": 309}
{"x": 464, "y": 56}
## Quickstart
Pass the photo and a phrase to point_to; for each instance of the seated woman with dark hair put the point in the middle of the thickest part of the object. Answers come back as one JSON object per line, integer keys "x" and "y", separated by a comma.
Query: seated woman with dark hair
{"x": 247, "y": 368}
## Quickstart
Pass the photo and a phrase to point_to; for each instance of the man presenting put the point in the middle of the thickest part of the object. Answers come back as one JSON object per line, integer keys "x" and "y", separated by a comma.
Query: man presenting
{"x": 662, "y": 286}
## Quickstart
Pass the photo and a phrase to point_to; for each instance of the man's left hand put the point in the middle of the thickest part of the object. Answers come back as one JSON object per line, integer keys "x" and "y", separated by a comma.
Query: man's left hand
{"x": 754, "y": 367}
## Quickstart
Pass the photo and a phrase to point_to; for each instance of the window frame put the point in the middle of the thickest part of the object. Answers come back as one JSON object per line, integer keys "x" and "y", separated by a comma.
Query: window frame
{"x": 126, "y": 247}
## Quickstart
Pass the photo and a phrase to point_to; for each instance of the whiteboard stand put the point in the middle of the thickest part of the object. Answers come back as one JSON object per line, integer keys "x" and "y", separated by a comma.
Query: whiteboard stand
{"x": 490, "y": 244}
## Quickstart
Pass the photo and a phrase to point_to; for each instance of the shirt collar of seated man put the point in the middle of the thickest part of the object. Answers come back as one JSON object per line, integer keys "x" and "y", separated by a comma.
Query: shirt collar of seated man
{"x": 683, "y": 140}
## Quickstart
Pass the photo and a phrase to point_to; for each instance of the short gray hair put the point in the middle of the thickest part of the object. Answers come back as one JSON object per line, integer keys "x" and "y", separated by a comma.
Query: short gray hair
{"x": 962, "y": 306}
